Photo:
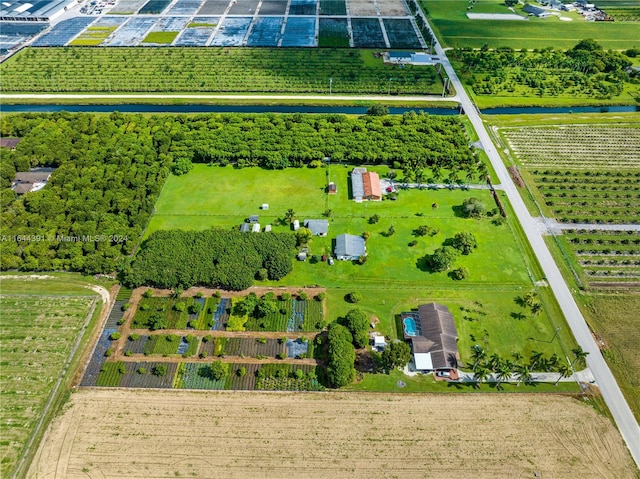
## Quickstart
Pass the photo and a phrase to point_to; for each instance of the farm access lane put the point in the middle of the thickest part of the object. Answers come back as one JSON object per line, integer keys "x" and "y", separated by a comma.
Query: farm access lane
{"x": 551, "y": 226}
{"x": 625, "y": 421}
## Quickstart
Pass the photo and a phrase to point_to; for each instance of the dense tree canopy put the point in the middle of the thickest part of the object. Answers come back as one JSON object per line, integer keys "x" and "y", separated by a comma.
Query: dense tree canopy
{"x": 357, "y": 322}
{"x": 215, "y": 258}
{"x": 111, "y": 169}
{"x": 341, "y": 356}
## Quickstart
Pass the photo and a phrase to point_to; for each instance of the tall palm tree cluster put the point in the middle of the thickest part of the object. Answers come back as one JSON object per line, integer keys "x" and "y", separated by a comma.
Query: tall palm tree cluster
{"x": 495, "y": 368}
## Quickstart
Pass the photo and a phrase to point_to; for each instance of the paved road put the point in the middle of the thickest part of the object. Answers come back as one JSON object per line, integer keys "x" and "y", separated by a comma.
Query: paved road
{"x": 611, "y": 393}
{"x": 116, "y": 97}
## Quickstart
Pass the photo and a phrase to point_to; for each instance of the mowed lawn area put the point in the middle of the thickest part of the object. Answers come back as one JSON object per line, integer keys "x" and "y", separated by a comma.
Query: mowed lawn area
{"x": 41, "y": 320}
{"x": 395, "y": 277}
{"x": 452, "y": 26}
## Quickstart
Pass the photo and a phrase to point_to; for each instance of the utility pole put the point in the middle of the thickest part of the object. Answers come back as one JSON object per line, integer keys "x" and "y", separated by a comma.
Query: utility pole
{"x": 330, "y": 85}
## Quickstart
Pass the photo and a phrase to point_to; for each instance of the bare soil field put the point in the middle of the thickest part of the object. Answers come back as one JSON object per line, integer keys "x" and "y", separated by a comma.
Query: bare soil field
{"x": 150, "y": 434}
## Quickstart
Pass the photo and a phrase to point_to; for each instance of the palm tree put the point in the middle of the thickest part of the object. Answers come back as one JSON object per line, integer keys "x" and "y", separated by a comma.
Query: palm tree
{"x": 580, "y": 355}
{"x": 517, "y": 357}
{"x": 564, "y": 371}
{"x": 524, "y": 374}
{"x": 480, "y": 374}
{"x": 290, "y": 215}
{"x": 535, "y": 359}
{"x": 554, "y": 361}
{"x": 478, "y": 354}
{"x": 495, "y": 361}
{"x": 503, "y": 373}
{"x": 536, "y": 309}
{"x": 419, "y": 176}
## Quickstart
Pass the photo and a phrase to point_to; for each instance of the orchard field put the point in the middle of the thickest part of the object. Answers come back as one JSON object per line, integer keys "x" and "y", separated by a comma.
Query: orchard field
{"x": 584, "y": 171}
{"x": 221, "y": 70}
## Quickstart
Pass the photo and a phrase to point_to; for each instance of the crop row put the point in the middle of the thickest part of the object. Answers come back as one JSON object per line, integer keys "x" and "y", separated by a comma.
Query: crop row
{"x": 606, "y": 241}
{"x": 210, "y": 69}
{"x": 608, "y": 252}
{"x": 631, "y": 263}
{"x": 574, "y": 173}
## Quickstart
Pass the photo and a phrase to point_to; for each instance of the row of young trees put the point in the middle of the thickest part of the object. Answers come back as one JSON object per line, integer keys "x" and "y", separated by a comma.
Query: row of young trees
{"x": 215, "y": 258}
{"x": 111, "y": 169}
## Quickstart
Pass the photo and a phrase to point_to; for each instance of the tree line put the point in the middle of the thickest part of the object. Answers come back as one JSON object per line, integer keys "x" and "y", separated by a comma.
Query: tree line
{"x": 215, "y": 258}
{"x": 111, "y": 169}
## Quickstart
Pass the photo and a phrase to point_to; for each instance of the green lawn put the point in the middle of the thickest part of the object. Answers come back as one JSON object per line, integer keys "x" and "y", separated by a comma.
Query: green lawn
{"x": 455, "y": 30}
{"x": 41, "y": 320}
{"x": 394, "y": 278}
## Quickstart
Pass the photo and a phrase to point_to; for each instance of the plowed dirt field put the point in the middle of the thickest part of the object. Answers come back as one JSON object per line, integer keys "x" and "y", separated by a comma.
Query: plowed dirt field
{"x": 160, "y": 434}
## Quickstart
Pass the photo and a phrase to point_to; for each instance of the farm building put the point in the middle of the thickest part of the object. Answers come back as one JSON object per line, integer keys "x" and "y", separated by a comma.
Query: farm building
{"x": 255, "y": 228}
{"x": 433, "y": 337}
{"x": 365, "y": 185}
{"x": 317, "y": 227}
{"x": 10, "y": 143}
{"x": 254, "y": 219}
{"x": 25, "y": 11}
{"x": 32, "y": 180}
{"x": 332, "y": 189}
{"x": 245, "y": 227}
{"x": 350, "y": 247}
{"x": 536, "y": 11}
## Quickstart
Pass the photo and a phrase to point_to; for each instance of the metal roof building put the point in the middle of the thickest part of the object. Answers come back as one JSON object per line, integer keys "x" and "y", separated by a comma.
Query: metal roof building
{"x": 34, "y": 11}
{"x": 350, "y": 247}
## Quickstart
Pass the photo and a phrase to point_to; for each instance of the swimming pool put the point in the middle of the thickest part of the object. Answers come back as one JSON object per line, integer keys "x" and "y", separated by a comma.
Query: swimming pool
{"x": 410, "y": 327}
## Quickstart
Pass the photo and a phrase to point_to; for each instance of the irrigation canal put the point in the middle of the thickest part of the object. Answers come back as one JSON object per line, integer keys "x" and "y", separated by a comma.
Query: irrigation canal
{"x": 355, "y": 110}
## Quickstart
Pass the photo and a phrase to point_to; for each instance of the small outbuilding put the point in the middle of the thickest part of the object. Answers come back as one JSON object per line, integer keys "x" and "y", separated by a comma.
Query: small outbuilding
{"x": 317, "y": 227}
{"x": 255, "y": 228}
{"x": 332, "y": 189}
{"x": 245, "y": 228}
{"x": 350, "y": 247}
{"x": 265, "y": 206}
{"x": 296, "y": 225}
{"x": 267, "y": 228}
{"x": 254, "y": 219}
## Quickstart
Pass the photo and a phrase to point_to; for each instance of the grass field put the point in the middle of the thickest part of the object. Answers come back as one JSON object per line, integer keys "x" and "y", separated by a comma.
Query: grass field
{"x": 454, "y": 29}
{"x": 41, "y": 320}
{"x": 164, "y": 38}
{"x": 136, "y": 434}
{"x": 394, "y": 278}
{"x": 222, "y": 70}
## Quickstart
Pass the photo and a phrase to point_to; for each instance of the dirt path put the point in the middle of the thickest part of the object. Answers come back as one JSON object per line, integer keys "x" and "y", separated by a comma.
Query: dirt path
{"x": 145, "y": 434}
{"x": 209, "y": 359}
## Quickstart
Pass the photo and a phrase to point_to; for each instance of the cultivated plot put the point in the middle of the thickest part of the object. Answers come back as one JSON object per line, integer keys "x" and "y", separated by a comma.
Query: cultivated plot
{"x": 243, "y": 7}
{"x": 132, "y": 32}
{"x": 392, "y": 8}
{"x": 401, "y": 33}
{"x": 272, "y": 8}
{"x": 213, "y": 7}
{"x": 101, "y": 433}
{"x": 154, "y": 7}
{"x": 299, "y": 32}
{"x": 333, "y": 7}
{"x": 265, "y": 32}
{"x": 367, "y": 33}
{"x": 185, "y": 7}
{"x": 196, "y": 36}
{"x": 333, "y": 32}
{"x": 303, "y": 7}
{"x": 127, "y": 7}
{"x": 232, "y": 32}
{"x": 63, "y": 32}
{"x": 363, "y": 8}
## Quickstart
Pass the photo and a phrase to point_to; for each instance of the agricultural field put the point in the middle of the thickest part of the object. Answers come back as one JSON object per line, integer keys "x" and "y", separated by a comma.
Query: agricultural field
{"x": 454, "y": 29}
{"x": 621, "y": 10}
{"x": 547, "y": 77}
{"x": 41, "y": 320}
{"x": 585, "y": 169}
{"x": 190, "y": 70}
{"x": 364, "y": 434}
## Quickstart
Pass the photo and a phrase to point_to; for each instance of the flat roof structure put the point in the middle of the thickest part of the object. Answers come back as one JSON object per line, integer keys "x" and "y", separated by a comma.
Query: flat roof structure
{"x": 317, "y": 227}
{"x": 32, "y": 11}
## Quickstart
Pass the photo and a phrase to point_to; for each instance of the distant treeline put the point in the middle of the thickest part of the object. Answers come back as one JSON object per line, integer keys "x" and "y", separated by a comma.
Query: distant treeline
{"x": 111, "y": 169}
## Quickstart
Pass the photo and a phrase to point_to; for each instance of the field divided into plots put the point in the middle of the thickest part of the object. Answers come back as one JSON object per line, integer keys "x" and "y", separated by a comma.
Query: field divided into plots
{"x": 587, "y": 174}
{"x": 286, "y": 23}
{"x": 265, "y": 70}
